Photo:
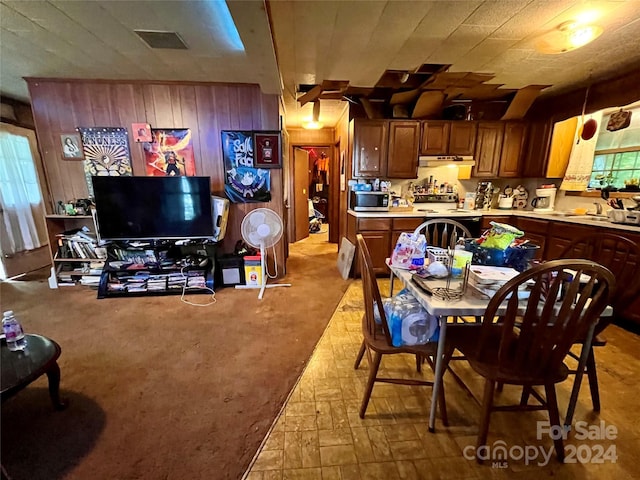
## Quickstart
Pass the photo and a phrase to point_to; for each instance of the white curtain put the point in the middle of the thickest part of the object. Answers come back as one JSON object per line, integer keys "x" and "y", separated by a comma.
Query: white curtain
{"x": 19, "y": 195}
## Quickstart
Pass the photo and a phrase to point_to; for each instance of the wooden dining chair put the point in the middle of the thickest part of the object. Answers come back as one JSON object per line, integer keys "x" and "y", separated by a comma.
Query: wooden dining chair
{"x": 621, "y": 256}
{"x": 377, "y": 337}
{"x": 439, "y": 232}
{"x": 529, "y": 343}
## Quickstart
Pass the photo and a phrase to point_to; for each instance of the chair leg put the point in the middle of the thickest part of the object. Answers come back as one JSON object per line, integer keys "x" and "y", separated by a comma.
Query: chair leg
{"x": 418, "y": 363}
{"x": 363, "y": 348}
{"x": 524, "y": 398}
{"x": 373, "y": 372}
{"x": 554, "y": 418}
{"x": 593, "y": 381}
{"x": 499, "y": 386}
{"x": 487, "y": 404}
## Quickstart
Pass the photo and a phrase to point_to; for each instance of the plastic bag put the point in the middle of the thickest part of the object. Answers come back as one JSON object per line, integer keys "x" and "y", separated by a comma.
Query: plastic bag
{"x": 409, "y": 250}
{"x": 501, "y": 235}
{"x": 408, "y": 322}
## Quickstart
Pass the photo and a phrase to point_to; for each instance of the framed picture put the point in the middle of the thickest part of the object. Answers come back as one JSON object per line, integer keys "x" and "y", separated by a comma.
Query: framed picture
{"x": 141, "y": 132}
{"x": 267, "y": 152}
{"x": 71, "y": 146}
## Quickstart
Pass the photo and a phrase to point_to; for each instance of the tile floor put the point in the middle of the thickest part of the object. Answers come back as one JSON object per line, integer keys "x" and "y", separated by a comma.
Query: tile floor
{"x": 319, "y": 435}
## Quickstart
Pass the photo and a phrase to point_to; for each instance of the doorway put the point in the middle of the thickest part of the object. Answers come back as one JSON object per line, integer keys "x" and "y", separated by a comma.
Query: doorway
{"x": 315, "y": 167}
{"x": 23, "y": 235}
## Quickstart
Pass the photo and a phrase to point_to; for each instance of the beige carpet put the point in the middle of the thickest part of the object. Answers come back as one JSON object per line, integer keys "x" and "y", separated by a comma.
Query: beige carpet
{"x": 159, "y": 389}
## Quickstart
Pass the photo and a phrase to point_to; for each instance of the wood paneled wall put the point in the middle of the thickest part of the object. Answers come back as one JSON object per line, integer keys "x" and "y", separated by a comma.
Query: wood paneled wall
{"x": 59, "y": 106}
{"x": 614, "y": 92}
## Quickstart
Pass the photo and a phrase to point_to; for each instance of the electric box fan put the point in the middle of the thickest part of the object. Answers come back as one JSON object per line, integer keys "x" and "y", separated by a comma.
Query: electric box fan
{"x": 262, "y": 228}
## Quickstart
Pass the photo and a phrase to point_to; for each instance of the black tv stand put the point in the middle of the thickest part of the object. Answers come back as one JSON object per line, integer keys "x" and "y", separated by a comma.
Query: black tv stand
{"x": 157, "y": 267}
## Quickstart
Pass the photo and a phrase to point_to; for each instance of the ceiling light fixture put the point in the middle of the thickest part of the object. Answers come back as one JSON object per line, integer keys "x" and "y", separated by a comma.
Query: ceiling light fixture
{"x": 568, "y": 36}
{"x": 314, "y": 123}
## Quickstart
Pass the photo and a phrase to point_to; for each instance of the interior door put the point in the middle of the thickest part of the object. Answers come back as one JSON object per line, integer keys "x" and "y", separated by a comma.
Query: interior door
{"x": 301, "y": 192}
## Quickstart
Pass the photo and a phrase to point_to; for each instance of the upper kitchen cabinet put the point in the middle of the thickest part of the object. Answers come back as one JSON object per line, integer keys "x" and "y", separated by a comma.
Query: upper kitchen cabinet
{"x": 549, "y": 148}
{"x": 499, "y": 149}
{"x": 385, "y": 148}
{"x": 512, "y": 149}
{"x": 448, "y": 138}
{"x": 463, "y": 138}
{"x": 435, "y": 138}
{"x": 370, "y": 139}
{"x": 404, "y": 142}
{"x": 488, "y": 149}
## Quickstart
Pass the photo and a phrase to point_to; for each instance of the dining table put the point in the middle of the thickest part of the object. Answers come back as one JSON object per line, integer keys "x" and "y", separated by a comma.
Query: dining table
{"x": 467, "y": 305}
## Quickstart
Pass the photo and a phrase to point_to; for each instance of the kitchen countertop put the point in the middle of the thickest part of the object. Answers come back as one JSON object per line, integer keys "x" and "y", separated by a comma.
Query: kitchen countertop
{"x": 590, "y": 220}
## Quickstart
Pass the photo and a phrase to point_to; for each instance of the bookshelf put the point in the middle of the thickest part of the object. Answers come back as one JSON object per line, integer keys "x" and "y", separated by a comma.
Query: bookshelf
{"x": 73, "y": 261}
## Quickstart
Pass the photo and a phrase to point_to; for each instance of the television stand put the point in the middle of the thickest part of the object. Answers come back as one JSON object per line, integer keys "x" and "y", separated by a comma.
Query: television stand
{"x": 158, "y": 267}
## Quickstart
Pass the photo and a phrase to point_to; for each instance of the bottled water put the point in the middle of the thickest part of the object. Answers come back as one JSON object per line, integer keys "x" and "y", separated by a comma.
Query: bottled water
{"x": 13, "y": 332}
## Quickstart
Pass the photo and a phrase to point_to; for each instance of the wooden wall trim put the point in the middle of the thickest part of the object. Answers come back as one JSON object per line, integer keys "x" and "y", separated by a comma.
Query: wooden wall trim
{"x": 59, "y": 106}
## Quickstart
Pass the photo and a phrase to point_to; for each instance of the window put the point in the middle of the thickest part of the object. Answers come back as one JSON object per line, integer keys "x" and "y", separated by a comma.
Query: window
{"x": 617, "y": 157}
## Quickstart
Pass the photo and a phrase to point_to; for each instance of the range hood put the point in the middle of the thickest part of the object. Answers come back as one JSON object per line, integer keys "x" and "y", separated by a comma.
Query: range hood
{"x": 445, "y": 160}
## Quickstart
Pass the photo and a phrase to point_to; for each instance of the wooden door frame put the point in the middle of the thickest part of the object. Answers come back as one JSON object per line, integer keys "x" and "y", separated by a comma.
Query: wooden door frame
{"x": 334, "y": 187}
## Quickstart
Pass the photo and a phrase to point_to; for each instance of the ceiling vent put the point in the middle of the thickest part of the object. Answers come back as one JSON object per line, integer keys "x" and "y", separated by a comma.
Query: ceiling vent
{"x": 157, "y": 39}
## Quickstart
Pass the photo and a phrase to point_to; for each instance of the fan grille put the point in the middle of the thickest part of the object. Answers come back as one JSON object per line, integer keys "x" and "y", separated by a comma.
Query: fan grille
{"x": 261, "y": 227}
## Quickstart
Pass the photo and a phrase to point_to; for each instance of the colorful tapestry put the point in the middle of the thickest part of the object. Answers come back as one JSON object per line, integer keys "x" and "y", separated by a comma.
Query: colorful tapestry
{"x": 106, "y": 153}
{"x": 243, "y": 182}
{"x": 170, "y": 153}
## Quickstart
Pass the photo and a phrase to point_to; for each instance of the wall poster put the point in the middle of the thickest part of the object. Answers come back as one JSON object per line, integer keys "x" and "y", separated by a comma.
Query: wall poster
{"x": 170, "y": 154}
{"x": 243, "y": 182}
{"x": 106, "y": 153}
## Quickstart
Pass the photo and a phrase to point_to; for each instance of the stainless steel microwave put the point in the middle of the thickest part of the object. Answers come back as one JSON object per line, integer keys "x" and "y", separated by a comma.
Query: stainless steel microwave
{"x": 360, "y": 201}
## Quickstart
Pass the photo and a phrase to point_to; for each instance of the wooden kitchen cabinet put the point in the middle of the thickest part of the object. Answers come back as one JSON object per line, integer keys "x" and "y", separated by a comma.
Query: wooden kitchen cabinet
{"x": 435, "y": 138}
{"x": 462, "y": 140}
{"x": 399, "y": 225}
{"x": 512, "y": 150}
{"x": 561, "y": 234}
{"x": 536, "y": 232}
{"x": 534, "y": 162}
{"x": 548, "y": 148}
{"x": 404, "y": 143}
{"x": 377, "y": 235}
{"x": 370, "y": 139}
{"x": 448, "y": 138}
{"x": 488, "y": 149}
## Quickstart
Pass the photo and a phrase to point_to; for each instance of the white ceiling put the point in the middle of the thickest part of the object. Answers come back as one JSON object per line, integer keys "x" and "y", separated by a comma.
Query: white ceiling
{"x": 312, "y": 41}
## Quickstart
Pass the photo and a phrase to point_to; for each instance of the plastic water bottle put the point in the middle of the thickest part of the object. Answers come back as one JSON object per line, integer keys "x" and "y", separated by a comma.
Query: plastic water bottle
{"x": 13, "y": 332}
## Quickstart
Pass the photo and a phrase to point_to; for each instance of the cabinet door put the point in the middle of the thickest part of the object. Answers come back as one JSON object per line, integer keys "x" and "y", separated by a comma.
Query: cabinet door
{"x": 537, "y": 147}
{"x": 488, "y": 148}
{"x": 404, "y": 142}
{"x": 370, "y": 148}
{"x": 512, "y": 148}
{"x": 435, "y": 138}
{"x": 379, "y": 248}
{"x": 462, "y": 140}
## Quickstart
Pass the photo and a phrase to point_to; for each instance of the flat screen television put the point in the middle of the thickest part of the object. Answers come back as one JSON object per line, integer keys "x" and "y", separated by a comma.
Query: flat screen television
{"x": 147, "y": 208}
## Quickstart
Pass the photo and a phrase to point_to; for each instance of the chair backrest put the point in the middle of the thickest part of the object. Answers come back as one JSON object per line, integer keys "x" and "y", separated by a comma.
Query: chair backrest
{"x": 618, "y": 254}
{"x": 564, "y": 304}
{"x": 372, "y": 298}
{"x": 442, "y": 232}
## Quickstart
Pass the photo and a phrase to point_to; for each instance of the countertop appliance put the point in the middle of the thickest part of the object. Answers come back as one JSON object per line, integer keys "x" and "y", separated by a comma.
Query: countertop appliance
{"x": 361, "y": 201}
{"x": 545, "y": 200}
